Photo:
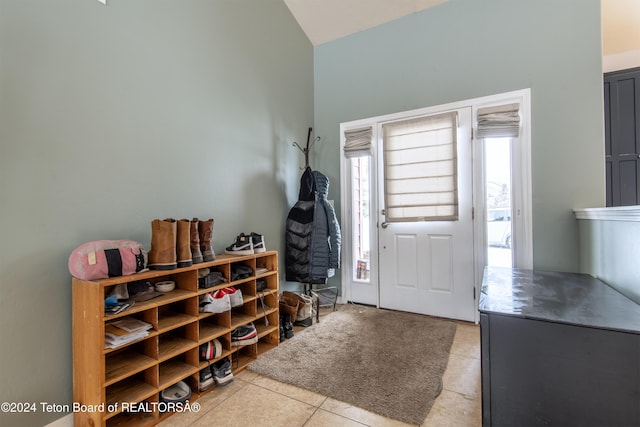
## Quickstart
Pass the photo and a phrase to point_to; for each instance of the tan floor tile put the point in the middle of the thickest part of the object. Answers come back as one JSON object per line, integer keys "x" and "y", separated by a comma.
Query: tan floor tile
{"x": 324, "y": 418}
{"x": 256, "y": 406}
{"x": 291, "y": 391}
{"x": 454, "y": 410}
{"x": 246, "y": 375}
{"x": 466, "y": 342}
{"x": 467, "y": 327}
{"x": 462, "y": 376}
{"x": 360, "y": 415}
{"x": 207, "y": 402}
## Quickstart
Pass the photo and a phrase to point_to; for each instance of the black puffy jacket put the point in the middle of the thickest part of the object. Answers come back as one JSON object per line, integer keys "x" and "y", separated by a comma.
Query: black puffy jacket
{"x": 312, "y": 244}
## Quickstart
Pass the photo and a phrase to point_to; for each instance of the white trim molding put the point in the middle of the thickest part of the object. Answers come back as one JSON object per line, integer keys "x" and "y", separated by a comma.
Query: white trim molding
{"x": 619, "y": 213}
{"x": 621, "y": 61}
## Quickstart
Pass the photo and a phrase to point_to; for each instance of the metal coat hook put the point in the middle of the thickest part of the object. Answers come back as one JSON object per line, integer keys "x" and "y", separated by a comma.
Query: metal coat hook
{"x": 305, "y": 151}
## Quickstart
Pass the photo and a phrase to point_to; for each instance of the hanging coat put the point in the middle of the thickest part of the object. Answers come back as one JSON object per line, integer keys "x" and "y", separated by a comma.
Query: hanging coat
{"x": 312, "y": 244}
{"x": 326, "y": 237}
{"x": 298, "y": 231}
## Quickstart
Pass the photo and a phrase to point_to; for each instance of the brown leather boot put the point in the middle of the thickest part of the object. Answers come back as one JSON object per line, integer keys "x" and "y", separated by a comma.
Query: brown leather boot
{"x": 183, "y": 243}
{"x": 205, "y": 229}
{"x": 162, "y": 255}
{"x": 196, "y": 255}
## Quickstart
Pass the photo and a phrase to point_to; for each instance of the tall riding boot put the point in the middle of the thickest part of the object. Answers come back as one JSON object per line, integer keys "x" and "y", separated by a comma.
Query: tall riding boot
{"x": 162, "y": 255}
{"x": 196, "y": 255}
{"x": 183, "y": 242}
{"x": 205, "y": 229}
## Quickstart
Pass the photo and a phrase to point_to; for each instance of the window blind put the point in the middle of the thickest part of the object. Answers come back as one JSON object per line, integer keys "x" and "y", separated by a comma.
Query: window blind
{"x": 420, "y": 167}
{"x": 358, "y": 142}
{"x": 499, "y": 121}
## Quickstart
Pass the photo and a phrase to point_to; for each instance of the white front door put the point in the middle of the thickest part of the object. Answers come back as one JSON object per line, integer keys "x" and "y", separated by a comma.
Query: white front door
{"x": 427, "y": 267}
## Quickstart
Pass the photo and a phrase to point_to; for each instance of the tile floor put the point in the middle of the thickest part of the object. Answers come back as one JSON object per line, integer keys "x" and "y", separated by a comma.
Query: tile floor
{"x": 254, "y": 401}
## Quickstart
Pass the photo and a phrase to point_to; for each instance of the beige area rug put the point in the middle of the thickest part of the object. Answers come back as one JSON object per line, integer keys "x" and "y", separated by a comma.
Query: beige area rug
{"x": 386, "y": 362}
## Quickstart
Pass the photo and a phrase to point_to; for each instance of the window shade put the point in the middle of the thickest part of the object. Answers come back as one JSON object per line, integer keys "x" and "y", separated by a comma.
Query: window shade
{"x": 358, "y": 142}
{"x": 499, "y": 121}
{"x": 420, "y": 167}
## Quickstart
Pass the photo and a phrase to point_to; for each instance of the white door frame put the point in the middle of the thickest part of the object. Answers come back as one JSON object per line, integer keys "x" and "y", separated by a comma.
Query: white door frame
{"x": 521, "y": 189}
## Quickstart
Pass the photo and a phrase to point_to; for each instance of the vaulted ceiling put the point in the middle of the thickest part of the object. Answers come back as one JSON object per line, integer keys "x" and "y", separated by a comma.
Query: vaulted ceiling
{"x": 327, "y": 20}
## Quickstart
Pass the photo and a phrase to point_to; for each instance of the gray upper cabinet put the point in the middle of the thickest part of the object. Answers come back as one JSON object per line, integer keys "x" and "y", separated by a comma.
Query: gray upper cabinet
{"x": 622, "y": 122}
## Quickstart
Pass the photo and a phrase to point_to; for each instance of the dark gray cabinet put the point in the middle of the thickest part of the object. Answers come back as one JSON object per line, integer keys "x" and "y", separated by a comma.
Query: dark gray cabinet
{"x": 622, "y": 138}
{"x": 558, "y": 349}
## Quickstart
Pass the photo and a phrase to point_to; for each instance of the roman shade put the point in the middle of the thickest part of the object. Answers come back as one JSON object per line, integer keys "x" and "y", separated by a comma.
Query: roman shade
{"x": 420, "y": 168}
{"x": 499, "y": 121}
{"x": 358, "y": 142}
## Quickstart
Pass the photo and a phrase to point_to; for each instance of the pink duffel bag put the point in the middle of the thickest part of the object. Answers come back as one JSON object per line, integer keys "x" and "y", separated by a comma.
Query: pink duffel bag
{"x": 107, "y": 258}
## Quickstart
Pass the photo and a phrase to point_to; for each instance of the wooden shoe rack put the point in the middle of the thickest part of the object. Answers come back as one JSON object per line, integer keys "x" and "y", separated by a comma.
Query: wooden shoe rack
{"x": 122, "y": 386}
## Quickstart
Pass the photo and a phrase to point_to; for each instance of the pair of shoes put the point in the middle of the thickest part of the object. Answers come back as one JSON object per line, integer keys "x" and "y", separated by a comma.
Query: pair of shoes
{"x": 182, "y": 243}
{"x": 244, "y": 335}
{"x": 286, "y": 327}
{"x": 247, "y": 245}
{"x": 218, "y": 372}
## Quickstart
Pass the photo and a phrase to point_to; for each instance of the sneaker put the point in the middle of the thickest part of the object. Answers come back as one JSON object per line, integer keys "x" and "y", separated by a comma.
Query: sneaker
{"x": 221, "y": 371}
{"x": 242, "y": 246}
{"x": 211, "y": 350}
{"x": 206, "y": 379}
{"x": 235, "y": 296}
{"x": 214, "y": 302}
{"x": 244, "y": 335}
{"x": 258, "y": 243}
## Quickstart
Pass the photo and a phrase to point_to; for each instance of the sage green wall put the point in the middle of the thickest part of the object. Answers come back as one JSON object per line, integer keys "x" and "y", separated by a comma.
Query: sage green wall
{"x": 465, "y": 49}
{"x": 111, "y": 116}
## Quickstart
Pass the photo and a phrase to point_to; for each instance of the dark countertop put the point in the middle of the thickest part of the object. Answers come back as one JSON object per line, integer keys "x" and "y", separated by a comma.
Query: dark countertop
{"x": 577, "y": 299}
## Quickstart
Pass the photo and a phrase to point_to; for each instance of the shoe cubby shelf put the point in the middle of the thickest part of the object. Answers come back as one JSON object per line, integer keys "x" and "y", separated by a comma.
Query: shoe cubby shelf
{"x": 138, "y": 371}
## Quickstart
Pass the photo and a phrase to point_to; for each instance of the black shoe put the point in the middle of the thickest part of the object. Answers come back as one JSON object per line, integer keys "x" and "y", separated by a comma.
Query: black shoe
{"x": 242, "y": 246}
{"x": 304, "y": 322}
{"x": 206, "y": 379}
{"x": 257, "y": 241}
{"x": 244, "y": 335}
{"x": 282, "y": 336}
{"x": 288, "y": 326}
{"x": 221, "y": 371}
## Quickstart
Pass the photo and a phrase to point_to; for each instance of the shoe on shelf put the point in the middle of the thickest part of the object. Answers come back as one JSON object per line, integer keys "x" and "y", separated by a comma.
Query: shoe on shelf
{"x": 242, "y": 246}
{"x": 244, "y": 335}
{"x": 221, "y": 371}
{"x": 258, "y": 243}
{"x": 211, "y": 350}
{"x": 206, "y": 379}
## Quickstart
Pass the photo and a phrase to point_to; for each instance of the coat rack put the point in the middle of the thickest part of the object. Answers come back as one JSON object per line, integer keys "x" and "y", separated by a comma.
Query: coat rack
{"x": 305, "y": 151}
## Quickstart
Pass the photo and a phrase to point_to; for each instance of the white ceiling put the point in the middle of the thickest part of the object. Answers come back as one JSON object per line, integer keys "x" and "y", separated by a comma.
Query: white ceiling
{"x": 327, "y": 20}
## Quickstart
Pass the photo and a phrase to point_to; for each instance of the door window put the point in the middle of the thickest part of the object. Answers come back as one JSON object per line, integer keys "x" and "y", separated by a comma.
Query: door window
{"x": 420, "y": 169}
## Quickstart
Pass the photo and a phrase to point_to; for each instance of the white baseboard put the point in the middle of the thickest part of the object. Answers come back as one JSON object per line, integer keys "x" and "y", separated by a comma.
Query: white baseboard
{"x": 66, "y": 421}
